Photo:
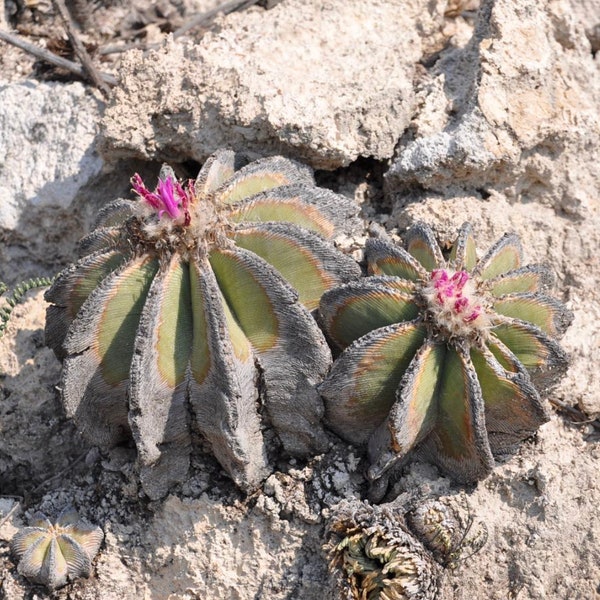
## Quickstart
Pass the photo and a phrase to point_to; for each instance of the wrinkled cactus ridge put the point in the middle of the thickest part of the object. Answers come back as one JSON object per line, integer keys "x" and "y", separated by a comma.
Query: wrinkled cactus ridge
{"x": 190, "y": 300}
{"x": 53, "y": 554}
{"x": 442, "y": 355}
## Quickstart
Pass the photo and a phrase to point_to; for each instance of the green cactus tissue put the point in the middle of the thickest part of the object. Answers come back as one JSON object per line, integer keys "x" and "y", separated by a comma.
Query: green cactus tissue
{"x": 444, "y": 354}
{"x": 191, "y": 306}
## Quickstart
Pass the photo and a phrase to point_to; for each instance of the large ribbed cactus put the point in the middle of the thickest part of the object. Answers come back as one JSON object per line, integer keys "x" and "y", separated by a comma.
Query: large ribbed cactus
{"x": 181, "y": 313}
{"x": 442, "y": 353}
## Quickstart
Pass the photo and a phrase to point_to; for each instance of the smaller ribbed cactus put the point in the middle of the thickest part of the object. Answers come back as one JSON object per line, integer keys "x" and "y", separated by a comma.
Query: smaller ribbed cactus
{"x": 54, "y": 554}
{"x": 191, "y": 306}
{"x": 442, "y": 353}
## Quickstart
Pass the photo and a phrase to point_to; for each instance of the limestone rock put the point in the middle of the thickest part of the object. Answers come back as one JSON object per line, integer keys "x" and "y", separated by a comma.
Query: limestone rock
{"x": 47, "y": 152}
{"x": 515, "y": 110}
{"x": 48, "y": 163}
{"x": 279, "y": 81}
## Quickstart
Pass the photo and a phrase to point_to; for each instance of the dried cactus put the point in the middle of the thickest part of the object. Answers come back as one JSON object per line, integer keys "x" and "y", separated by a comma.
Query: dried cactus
{"x": 180, "y": 312}
{"x": 54, "y": 554}
{"x": 391, "y": 552}
{"x": 388, "y": 553}
{"x": 442, "y": 354}
{"x": 375, "y": 557}
{"x": 444, "y": 533}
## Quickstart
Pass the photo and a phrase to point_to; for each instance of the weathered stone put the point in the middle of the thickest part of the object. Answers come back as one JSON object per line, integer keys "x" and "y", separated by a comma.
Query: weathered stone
{"x": 518, "y": 112}
{"x": 47, "y": 152}
{"x": 279, "y": 81}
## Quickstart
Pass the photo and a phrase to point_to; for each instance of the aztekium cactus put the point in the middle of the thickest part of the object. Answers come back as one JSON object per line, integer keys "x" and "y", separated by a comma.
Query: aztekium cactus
{"x": 53, "y": 554}
{"x": 442, "y": 355}
{"x": 181, "y": 313}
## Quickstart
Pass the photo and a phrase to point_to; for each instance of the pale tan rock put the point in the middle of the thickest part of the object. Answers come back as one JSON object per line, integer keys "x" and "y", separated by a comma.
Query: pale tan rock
{"x": 279, "y": 81}
{"x": 522, "y": 103}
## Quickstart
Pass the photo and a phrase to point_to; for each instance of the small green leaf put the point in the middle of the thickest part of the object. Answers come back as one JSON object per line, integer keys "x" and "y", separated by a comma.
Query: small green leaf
{"x": 158, "y": 411}
{"x": 76, "y": 560}
{"x": 361, "y": 386}
{"x": 115, "y": 213}
{"x": 120, "y": 318}
{"x": 101, "y": 239}
{"x": 174, "y": 328}
{"x": 216, "y": 170}
{"x": 463, "y": 255}
{"x": 247, "y": 298}
{"x": 223, "y": 388}
{"x": 458, "y": 441}
{"x": 200, "y": 361}
{"x": 513, "y": 410}
{"x": 530, "y": 279}
{"x": 543, "y": 311}
{"x": 73, "y": 285}
{"x": 413, "y": 414}
{"x": 308, "y": 263}
{"x": 539, "y": 354}
{"x": 262, "y": 175}
{"x": 290, "y": 347}
{"x": 297, "y": 204}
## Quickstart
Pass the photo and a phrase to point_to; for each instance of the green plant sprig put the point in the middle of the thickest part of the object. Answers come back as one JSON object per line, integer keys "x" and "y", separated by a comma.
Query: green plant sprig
{"x": 17, "y": 295}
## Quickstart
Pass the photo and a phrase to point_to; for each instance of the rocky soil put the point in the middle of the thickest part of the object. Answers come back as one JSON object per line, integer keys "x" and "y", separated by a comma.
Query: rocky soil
{"x": 420, "y": 109}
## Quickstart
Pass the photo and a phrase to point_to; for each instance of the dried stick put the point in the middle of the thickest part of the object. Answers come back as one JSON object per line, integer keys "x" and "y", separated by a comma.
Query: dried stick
{"x": 580, "y": 416}
{"x": 13, "y": 509}
{"x": 50, "y": 57}
{"x": 202, "y": 18}
{"x": 60, "y": 474}
{"x": 79, "y": 48}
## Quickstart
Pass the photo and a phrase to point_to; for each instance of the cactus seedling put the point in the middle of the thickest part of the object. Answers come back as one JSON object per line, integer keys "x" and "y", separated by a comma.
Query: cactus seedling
{"x": 52, "y": 554}
{"x": 181, "y": 310}
{"x": 442, "y": 353}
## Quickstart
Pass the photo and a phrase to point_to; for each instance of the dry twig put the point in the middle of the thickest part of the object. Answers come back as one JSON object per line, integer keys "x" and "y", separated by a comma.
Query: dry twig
{"x": 60, "y": 474}
{"x": 15, "y": 506}
{"x": 203, "y": 18}
{"x": 50, "y": 57}
{"x": 79, "y": 48}
{"x": 580, "y": 417}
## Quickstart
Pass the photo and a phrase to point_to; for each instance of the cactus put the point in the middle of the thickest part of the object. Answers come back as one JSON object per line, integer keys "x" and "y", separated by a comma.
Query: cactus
{"x": 52, "y": 554}
{"x": 374, "y": 556}
{"x": 387, "y": 552}
{"x": 442, "y": 354}
{"x": 192, "y": 300}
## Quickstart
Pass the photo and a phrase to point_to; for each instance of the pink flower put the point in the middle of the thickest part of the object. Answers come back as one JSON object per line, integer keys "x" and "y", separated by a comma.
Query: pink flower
{"x": 451, "y": 293}
{"x": 169, "y": 197}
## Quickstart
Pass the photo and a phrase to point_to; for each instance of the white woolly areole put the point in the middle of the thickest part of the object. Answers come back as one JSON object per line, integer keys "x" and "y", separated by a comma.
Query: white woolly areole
{"x": 454, "y": 306}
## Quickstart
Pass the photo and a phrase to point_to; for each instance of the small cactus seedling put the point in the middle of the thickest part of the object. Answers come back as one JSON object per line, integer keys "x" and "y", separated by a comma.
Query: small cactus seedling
{"x": 181, "y": 311}
{"x": 442, "y": 354}
{"x": 53, "y": 554}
